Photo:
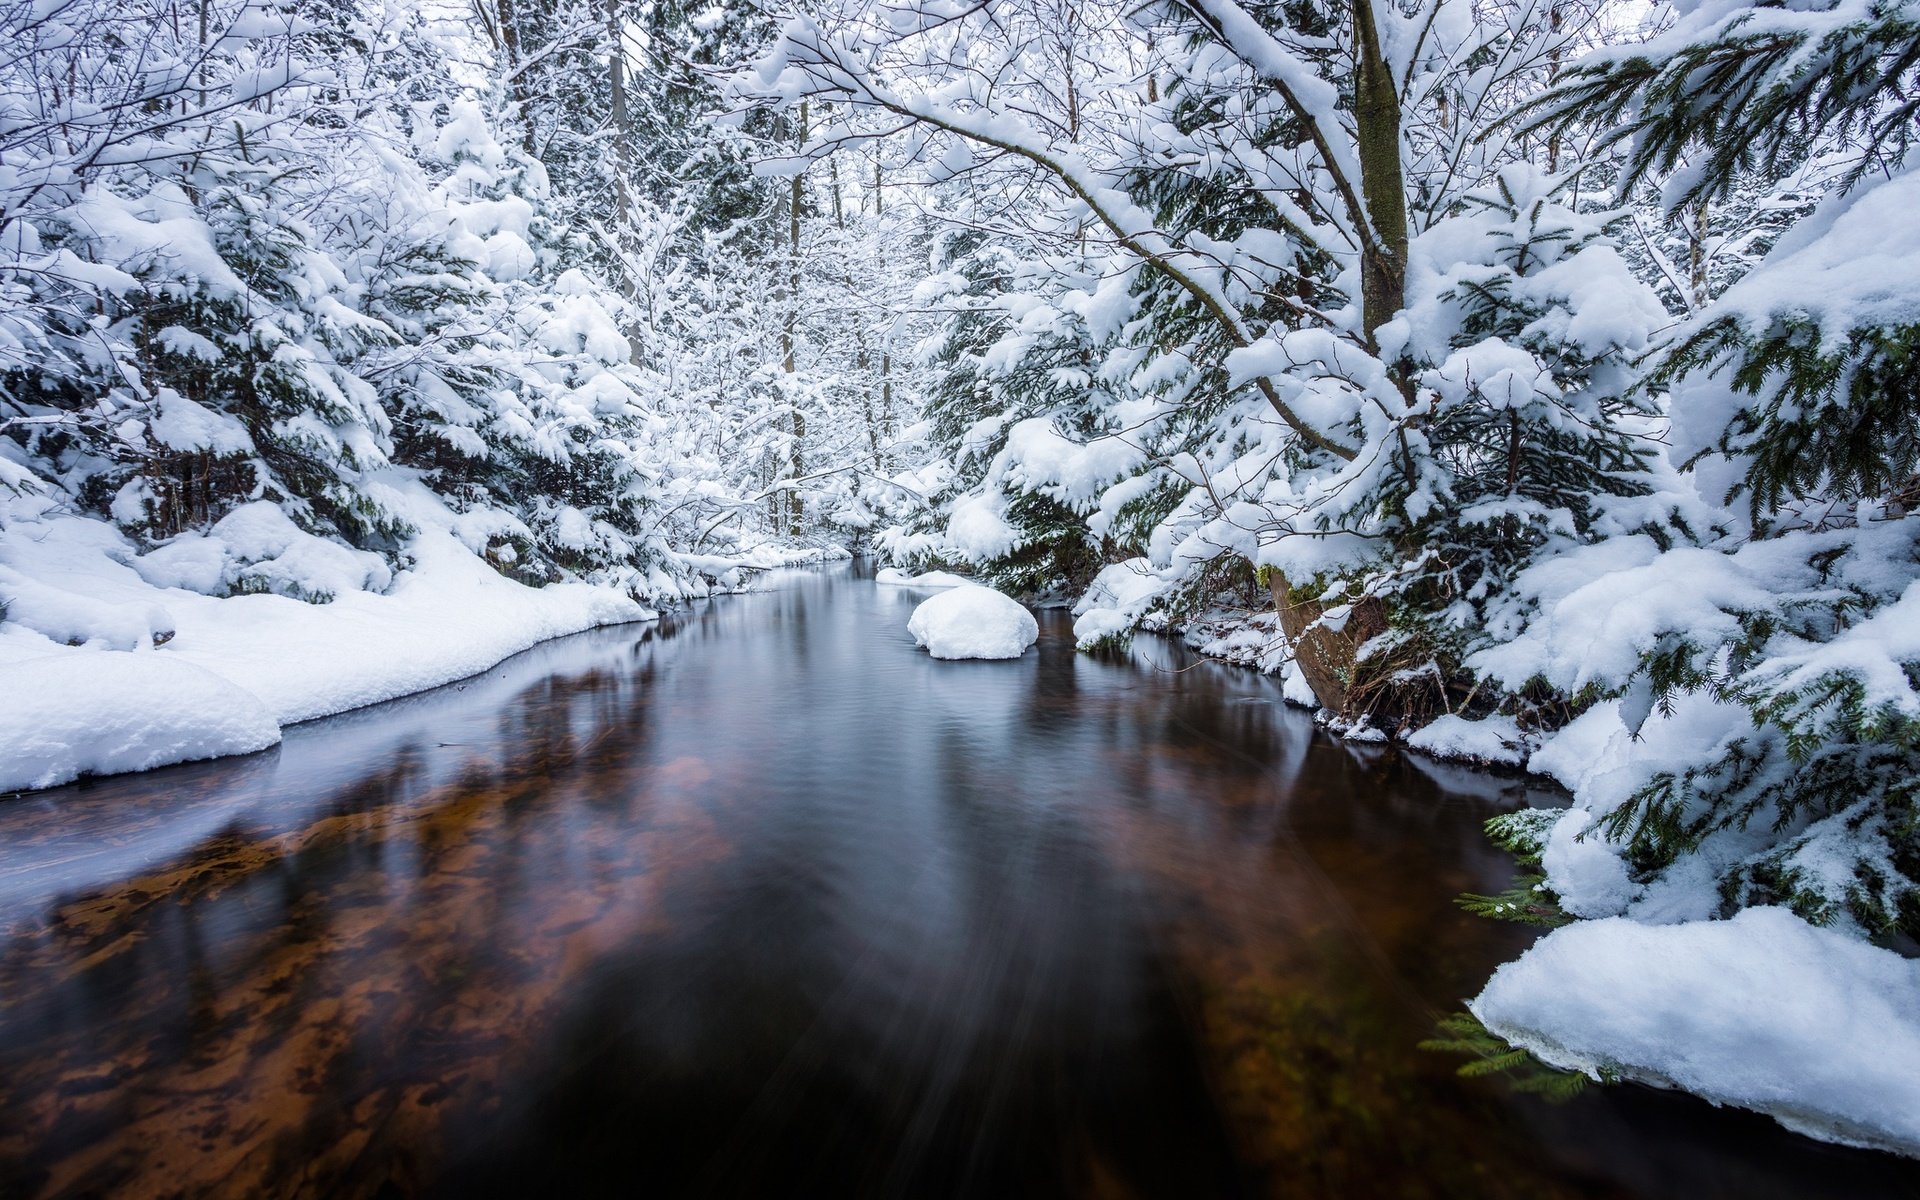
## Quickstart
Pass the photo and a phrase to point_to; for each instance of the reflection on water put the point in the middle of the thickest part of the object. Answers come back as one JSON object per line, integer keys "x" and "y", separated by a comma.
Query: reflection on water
{"x": 764, "y": 902}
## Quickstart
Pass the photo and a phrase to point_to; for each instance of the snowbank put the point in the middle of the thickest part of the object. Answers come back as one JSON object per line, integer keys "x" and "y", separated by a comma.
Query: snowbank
{"x": 733, "y": 571}
{"x": 107, "y": 669}
{"x": 112, "y": 711}
{"x": 1764, "y": 1011}
{"x": 973, "y": 622}
{"x": 450, "y": 617}
{"x": 895, "y": 577}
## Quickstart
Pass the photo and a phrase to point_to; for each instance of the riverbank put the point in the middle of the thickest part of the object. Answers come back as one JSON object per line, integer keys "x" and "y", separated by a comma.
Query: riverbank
{"x": 1655, "y": 980}
{"x": 114, "y": 661}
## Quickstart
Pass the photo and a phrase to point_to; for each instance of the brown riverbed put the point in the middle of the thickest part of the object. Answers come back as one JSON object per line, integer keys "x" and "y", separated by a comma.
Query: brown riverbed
{"x": 763, "y": 902}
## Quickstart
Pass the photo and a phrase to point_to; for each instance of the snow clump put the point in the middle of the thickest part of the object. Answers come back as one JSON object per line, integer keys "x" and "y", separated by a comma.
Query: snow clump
{"x": 973, "y": 622}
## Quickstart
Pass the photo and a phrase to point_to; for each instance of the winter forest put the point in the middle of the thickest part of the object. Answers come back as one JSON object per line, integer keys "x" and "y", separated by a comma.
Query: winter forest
{"x": 1529, "y": 384}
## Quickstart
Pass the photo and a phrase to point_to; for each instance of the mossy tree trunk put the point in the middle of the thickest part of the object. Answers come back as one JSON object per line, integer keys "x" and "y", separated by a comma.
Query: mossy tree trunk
{"x": 1383, "y": 187}
{"x": 1327, "y": 656}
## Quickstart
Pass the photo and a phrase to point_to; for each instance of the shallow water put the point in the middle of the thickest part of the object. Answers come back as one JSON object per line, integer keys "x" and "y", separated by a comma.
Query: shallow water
{"x": 761, "y": 901}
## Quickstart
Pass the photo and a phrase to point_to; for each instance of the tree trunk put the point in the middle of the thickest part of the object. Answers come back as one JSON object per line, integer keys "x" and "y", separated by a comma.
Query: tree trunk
{"x": 1327, "y": 656}
{"x": 509, "y": 47}
{"x": 1697, "y": 279}
{"x": 1383, "y": 189}
{"x": 622, "y": 120}
{"x": 789, "y": 337}
{"x": 623, "y": 217}
{"x": 1554, "y": 23}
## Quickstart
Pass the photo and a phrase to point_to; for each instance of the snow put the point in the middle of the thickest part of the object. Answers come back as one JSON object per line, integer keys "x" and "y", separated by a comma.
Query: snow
{"x": 895, "y": 577}
{"x": 1593, "y": 746}
{"x": 1603, "y": 606}
{"x": 1090, "y": 629}
{"x": 184, "y": 424}
{"x": 973, "y": 622}
{"x": 1489, "y": 740}
{"x": 1232, "y": 634}
{"x": 978, "y": 529}
{"x": 731, "y": 570}
{"x": 376, "y": 647}
{"x": 1873, "y": 652}
{"x": 1295, "y": 688}
{"x": 109, "y": 666}
{"x": 1851, "y": 264}
{"x": 1764, "y": 1011}
{"x": 1039, "y": 459}
{"x": 116, "y": 711}
{"x": 1116, "y": 600}
{"x": 1586, "y": 872}
{"x": 259, "y": 546}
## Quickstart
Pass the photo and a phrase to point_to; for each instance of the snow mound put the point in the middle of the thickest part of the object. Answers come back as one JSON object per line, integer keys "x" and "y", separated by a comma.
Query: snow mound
{"x": 973, "y": 622}
{"x": 258, "y": 548}
{"x": 1813, "y": 1027}
{"x": 1490, "y": 740}
{"x": 122, "y": 711}
{"x": 895, "y": 577}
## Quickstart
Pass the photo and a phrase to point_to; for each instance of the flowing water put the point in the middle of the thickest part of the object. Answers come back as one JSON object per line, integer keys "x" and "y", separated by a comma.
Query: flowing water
{"x": 761, "y": 901}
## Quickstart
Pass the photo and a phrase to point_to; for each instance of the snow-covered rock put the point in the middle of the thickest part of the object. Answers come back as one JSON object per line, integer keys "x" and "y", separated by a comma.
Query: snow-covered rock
{"x": 895, "y": 577}
{"x": 1812, "y": 1026}
{"x": 973, "y": 622}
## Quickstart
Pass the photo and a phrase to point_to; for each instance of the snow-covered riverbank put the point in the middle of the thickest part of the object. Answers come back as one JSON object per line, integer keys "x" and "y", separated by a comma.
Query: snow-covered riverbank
{"x": 1815, "y": 1028}
{"x": 111, "y": 660}
{"x": 1811, "y": 1025}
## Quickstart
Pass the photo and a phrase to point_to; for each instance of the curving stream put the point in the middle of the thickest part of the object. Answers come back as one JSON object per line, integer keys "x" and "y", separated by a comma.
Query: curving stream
{"x": 761, "y": 901}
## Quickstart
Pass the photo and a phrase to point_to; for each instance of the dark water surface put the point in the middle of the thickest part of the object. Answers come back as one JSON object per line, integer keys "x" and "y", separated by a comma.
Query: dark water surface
{"x": 763, "y": 902}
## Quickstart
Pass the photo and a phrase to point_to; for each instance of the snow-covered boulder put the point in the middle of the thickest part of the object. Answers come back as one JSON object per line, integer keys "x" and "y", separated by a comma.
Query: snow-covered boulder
{"x": 895, "y": 577}
{"x": 973, "y": 622}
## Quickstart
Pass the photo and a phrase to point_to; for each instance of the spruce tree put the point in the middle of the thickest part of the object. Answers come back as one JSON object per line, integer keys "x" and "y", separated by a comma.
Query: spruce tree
{"x": 1794, "y": 400}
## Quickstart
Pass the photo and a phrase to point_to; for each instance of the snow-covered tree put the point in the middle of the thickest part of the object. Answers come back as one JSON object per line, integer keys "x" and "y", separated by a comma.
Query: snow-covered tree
{"x": 1770, "y": 675}
{"x": 1016, "y": 369}
{"x": 288, "y": 260}
{"x": 182, "y": 339}
{"x": 1248, "y": 187}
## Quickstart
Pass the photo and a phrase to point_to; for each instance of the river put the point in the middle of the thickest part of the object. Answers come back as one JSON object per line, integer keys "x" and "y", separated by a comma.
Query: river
{"x": 762, "y": 901}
